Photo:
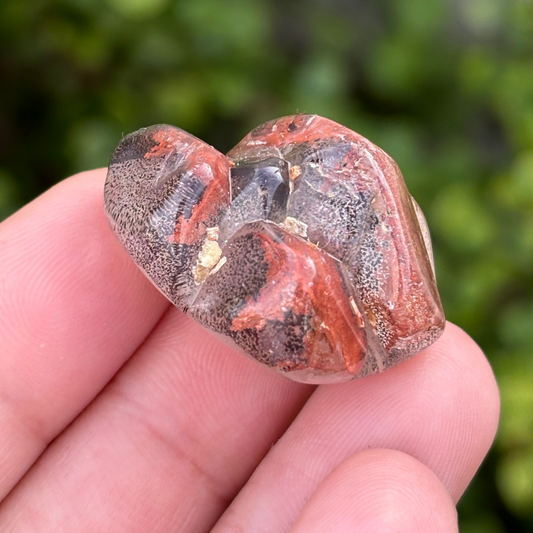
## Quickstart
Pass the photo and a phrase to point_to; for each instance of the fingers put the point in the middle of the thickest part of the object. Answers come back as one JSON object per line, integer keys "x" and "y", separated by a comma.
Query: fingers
{"x": 441, "y": 407}
{"x": 174, "y": 437}
{"x": 165, "y": 447}
{"x": 379, "y": 490}
{"x": 73, "y": 308}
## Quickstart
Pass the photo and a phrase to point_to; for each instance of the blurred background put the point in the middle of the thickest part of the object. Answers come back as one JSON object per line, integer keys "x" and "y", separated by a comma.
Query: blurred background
{"x": 444, "y": 86}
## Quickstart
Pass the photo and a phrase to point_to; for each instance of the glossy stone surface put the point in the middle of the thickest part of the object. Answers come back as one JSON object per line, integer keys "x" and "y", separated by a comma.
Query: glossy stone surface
{"x": 302, "y": 246}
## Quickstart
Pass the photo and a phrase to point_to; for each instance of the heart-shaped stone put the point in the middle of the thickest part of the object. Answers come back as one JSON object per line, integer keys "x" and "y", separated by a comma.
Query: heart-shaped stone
{"x": 302, "y": 246}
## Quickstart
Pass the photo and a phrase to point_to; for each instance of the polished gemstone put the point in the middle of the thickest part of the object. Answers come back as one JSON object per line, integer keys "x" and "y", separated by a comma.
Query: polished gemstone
{"x": 301, "y": 246}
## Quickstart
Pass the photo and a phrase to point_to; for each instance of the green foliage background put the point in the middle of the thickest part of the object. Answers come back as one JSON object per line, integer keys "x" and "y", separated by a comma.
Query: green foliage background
{"x": 444, "y": 86}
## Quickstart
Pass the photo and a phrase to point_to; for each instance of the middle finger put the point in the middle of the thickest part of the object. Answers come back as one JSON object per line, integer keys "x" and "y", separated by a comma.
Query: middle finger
{"x": 165, "y": 447}
{"x": 440, "y": 407}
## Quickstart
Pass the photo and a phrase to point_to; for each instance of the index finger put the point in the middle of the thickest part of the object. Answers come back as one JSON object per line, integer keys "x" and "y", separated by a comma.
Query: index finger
{"x": 73, "y": 308}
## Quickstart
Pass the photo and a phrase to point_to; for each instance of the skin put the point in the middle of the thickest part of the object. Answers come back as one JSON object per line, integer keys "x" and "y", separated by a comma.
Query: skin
{"x": 120, "y": 414}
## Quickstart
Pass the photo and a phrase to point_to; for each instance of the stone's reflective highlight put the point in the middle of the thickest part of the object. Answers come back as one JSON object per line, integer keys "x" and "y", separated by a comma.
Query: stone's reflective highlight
{"x": 302, "y": 246}
{"x": 264, "y": 183}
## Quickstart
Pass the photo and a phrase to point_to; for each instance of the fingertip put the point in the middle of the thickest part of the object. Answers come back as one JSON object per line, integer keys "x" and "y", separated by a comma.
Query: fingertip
{"x": 474, "y": 367}
{"x": 379, "y": 490}
{"x": 471, "y": 361}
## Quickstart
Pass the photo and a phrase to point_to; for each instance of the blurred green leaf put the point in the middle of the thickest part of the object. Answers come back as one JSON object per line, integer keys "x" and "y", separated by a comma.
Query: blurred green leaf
{"x": 319, "y": 86}
{"x": 91, "y": 143}
{"x": 483, "y": 16}
{"x": 489, "y": 523}
{"x": 515, "y": 482}
{"x": 516, "y": 187}
{"x": 420, "y": 17}
{"x": 396, "y": 66}
{"x": 220, "y": 28}
{"x": 514, "y": 101}
{"x": 138, "y": 9}
{"x": 180, "y": 100}
{"x": 460, "y": 217}
{"x": 516, "y": 425}
{"x": 8, "y": 194}
{"x": 478, "y": 70}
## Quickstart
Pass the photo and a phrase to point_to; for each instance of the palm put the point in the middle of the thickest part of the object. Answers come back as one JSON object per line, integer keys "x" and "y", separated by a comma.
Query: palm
{"x": 180, "y": 438}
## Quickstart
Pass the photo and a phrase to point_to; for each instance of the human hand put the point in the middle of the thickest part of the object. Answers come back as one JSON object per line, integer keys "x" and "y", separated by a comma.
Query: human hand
{"x": 120, "y": 414}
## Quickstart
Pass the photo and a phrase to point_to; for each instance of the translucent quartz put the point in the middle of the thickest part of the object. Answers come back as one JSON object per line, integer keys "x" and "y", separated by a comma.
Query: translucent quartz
{"x": 302, "y": 246}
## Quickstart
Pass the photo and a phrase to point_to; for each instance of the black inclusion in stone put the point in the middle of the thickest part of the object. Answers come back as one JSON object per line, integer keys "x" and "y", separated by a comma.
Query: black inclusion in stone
{"x": 135, "y": 145}
{"x": 224, "y": 294}
{"x": 267, "y": 178}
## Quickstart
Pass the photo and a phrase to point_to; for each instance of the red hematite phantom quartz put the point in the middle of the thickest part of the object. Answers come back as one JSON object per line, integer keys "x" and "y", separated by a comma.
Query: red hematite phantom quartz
{"x": 302, "y": 245}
